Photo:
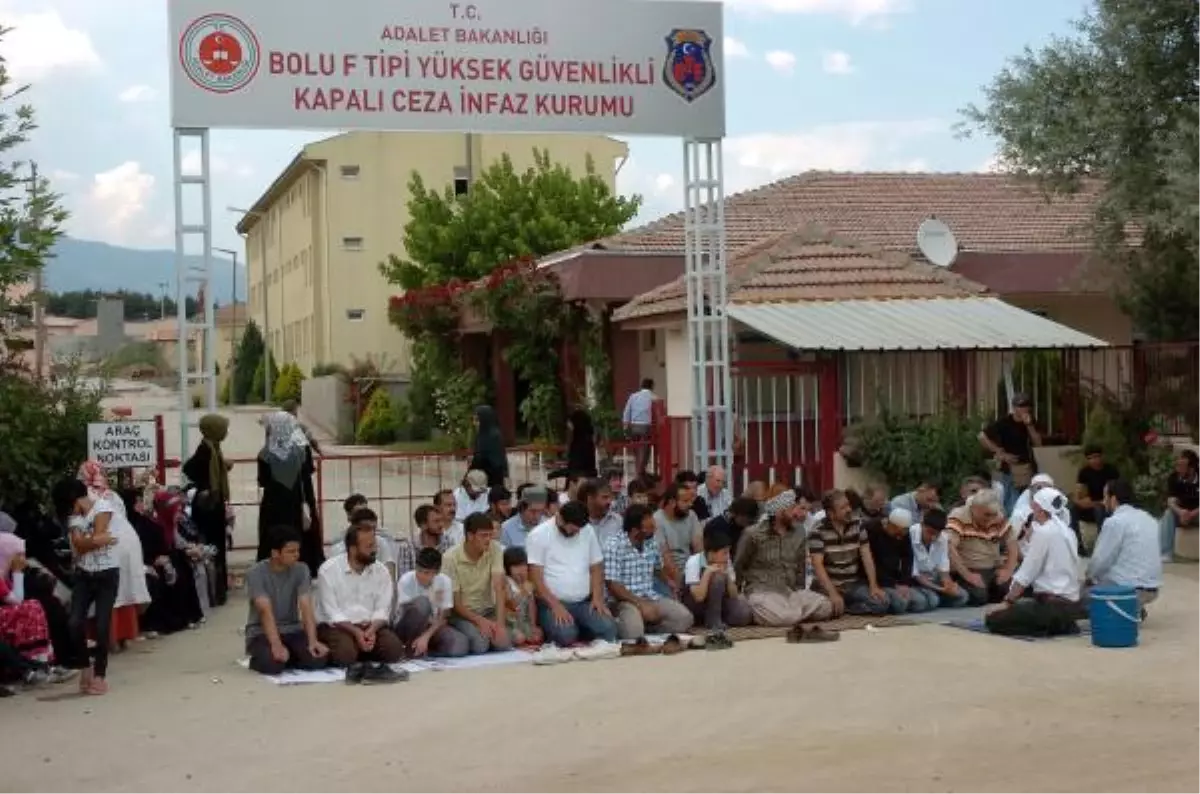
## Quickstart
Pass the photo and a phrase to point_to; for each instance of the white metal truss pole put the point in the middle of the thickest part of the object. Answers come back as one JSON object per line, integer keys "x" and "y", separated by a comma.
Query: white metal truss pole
{"x": 187, "y": 275}
{"x": 707, "y": 293}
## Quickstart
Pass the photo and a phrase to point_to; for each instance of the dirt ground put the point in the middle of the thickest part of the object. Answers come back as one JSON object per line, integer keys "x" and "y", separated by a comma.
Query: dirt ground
{"x": 922, "y": 708}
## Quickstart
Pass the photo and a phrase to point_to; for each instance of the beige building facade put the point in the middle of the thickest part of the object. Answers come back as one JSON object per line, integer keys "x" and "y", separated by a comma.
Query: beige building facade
{"x": 316, "y": 237}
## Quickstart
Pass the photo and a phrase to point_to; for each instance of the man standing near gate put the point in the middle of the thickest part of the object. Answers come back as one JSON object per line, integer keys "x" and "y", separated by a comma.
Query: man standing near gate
{"x": 638, "y": 419}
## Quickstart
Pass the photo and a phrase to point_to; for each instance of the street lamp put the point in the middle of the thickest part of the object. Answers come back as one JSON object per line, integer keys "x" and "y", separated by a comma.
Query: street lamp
{"x": 266, "y": 303}
{"x": 233, "y": 336}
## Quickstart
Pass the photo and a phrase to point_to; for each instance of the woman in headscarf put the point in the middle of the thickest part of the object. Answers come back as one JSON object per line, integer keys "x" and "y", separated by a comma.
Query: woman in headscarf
{"x": 132, "y": 594}
{"x": 490, "y": 456}
{"x": 581, "y": 444}
{"x": 173, "y": 604}
{"x": 42, "y": 583}
{"x": 285, "y": 469}
{"x": 208, "y": 472}
{"x": 23, "y": 623}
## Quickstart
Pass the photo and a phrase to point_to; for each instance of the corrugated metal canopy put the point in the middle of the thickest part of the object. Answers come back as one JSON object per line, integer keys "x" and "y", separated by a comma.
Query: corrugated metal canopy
{"x": 921, "y": 324}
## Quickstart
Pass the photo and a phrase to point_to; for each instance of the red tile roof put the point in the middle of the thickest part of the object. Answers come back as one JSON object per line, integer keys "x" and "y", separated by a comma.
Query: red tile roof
{"x": 808, "y": 266}
{"x": 992, "y": 213}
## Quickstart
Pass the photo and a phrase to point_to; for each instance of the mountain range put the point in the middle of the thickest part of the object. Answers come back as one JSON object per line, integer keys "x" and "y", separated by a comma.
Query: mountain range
{"x": 87, "y": 264}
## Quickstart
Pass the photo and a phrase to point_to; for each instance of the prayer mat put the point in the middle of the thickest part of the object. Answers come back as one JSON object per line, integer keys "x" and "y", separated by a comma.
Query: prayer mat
{"x": 979, "y": 627}
{"x": 844, "y": 623}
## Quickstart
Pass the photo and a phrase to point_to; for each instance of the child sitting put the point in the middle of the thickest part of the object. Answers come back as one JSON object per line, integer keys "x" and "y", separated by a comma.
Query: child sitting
{"x": 424, "y": 597}
{"x": 522, "y": 611}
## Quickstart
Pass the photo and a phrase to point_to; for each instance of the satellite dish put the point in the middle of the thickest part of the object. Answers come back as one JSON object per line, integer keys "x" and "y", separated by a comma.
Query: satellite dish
{"x": 937, "y": 242}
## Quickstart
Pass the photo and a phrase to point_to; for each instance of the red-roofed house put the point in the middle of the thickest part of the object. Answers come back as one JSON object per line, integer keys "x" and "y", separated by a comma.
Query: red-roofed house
{"x": 836, "y": 315}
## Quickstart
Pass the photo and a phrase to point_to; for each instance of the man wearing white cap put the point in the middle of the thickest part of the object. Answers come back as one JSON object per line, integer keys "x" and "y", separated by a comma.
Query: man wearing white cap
{"x": 471, "y": 496}
{"x": 892, "y": 552}
{"x": 1050, "y": 570}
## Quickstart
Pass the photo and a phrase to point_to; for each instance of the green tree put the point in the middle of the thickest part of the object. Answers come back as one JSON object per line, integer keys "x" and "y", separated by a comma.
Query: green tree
{"x": 380, "y": 422}
{"x": 258, "y": 385}
{"x": 249, "y": 356}
{"x": 504, "y": 215}
{"x": 289, "y": 384}
{"x": 1117, "y": 102}
{"x": 30, "y": 215}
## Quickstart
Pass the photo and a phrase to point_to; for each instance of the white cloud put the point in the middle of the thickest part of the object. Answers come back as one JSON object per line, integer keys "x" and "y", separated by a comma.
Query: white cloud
{"x": 735, "y": 48}
{"x": 752, "y": 160}
{"x": 116, "y": 205}
{"x": 781, "y": 61}
{"x": 41, "y": 43}
{"x": 991, "y": 165}
{"x": 836, "y": 62}
{"x": 856, "y": 11}
{"x": 663, "y": 183}
{"x": 137, "y": 93}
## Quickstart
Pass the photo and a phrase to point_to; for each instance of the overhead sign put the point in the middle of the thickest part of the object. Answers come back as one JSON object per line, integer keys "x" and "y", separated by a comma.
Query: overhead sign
{"x": 622, "y": 66}
{"x": 123, "y": 445}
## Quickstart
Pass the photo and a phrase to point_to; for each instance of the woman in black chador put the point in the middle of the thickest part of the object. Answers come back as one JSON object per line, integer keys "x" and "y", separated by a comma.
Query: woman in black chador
{"x": 285, "y": 474}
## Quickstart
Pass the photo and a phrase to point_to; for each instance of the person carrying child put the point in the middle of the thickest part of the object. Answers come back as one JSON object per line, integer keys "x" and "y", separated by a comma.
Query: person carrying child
{"x": 424, "y": 598}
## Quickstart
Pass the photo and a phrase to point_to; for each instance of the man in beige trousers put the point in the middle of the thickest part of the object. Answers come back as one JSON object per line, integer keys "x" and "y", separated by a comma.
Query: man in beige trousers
{"x": 771, "y": 562}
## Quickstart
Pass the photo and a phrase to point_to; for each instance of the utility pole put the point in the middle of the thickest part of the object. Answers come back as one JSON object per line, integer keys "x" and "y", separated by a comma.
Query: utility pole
{"x": 39, "y": 301}
{"x": 162, "y": 299}
{"x": 233, "y": 337}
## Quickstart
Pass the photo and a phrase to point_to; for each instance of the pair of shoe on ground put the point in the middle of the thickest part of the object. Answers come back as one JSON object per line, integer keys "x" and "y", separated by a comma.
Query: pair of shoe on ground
{"x": 374, "y": 673}
{"x": 801, "y": 633}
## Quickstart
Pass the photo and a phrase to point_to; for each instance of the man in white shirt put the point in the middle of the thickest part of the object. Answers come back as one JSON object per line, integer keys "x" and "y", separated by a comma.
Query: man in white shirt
{"x": 471, "y": 496}
{"x": 424, "y": 600}
{"x": 1051, "y": 570}
{"x": 714, "y": 492}
{"x": 567, "y": 569}
{"x": 354, "y": 602}
{"x": 1127, "y": 550}
{"x": 931, "y": 563}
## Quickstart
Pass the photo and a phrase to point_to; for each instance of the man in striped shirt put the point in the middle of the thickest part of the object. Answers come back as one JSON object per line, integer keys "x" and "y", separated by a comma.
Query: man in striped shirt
{"x": 842, "y": 561}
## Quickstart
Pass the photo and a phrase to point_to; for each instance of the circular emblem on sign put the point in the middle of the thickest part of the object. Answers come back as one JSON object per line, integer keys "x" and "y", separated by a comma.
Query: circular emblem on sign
{"x": 219, "y": 53}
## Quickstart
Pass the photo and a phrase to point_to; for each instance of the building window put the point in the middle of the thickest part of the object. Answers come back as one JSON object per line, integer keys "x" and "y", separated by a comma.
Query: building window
{"x": 349, "y": 172}
{"x": 355, "y": 315}
{"x": 462, "y": 181}
{"x": 650, "y": 341}
{"x": 352, "y": 243}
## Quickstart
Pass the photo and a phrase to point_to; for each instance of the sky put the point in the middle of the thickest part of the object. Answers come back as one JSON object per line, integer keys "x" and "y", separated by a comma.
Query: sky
{"x": 847, "y": 85}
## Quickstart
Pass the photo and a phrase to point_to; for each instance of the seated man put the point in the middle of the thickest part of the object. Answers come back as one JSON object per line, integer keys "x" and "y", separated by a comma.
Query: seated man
{"x": 567, "y": 568}
{"x": 1127, "y": 551}
{"x": 385, "y": 552}
{"x": 740, "y": 516}
{"x": 931, "y": 563}
{"x": 531, "y": 511}
{"x": 678, "y": 530}
{"x": 424, "y": 600}
{"x": 354, "y": 601}
{"x": 843, "y": 568}
{"x": 916, "y": 502}
{"x": 281, "y": 631}
{"x": 892, "y": 553}
{"x": 431, "y": 534}
{"x": 1183, "y": 501}
{"x": 1088, "y": 502}
{"x": 1051, "y": 570}
{"x": 632, "y": 560}
{"x": 476, "y": 568}
{"x": 471, "y": 496}
{"x": 983, "y": 547}
{"x": 597, "y": 497}
{"x": 710, "y": 585}
{"x": 499, "y": 503}
{"x": 447, "y": 504}
{"x": 771, "y": 567}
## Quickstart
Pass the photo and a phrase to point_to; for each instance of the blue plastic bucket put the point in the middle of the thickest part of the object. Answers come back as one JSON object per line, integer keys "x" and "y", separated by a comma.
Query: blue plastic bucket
{"x": 1115, "y": 615}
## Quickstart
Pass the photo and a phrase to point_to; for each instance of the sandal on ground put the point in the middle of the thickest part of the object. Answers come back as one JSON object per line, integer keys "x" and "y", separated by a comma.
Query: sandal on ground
{"x": 98, "y": 687}
{"x": 812, "y": 634}
{"x": 86, "y": 676}
{"x": 672, "y": 645}
{"x": 717, "y": 641}
{"x": 639, "y": 647}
